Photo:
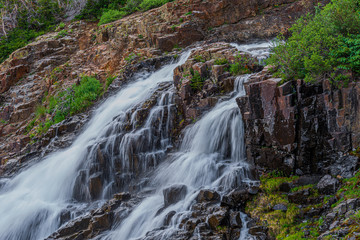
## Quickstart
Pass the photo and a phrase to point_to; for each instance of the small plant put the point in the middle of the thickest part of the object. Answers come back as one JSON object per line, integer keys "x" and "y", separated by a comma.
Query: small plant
{"x": 197, "y": 82}
{"x": 221, "y": 61}
{"x": 111, "y": 15}
{"x": 109, "y": 81}
{"x": 140, "y": 36}
{"x": 130, "y": 58}
{"x": 60, "y": 26}
{"x": 181, "y": 20}
{"x": 188, "y": 13}
{"x": 62, "y": 33}
{"x": 199, "y": 58}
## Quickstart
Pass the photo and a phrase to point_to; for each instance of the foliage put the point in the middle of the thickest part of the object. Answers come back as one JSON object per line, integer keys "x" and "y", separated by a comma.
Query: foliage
{"x": 240, "y": 66}
{"x": 199, "y": 58}
{"x": 66, "y": 103}
{"x": 197, "y": 82}
{"x": 32, "y": 20}
{"x": 112, "y": 10}
{"x": 149, "y": 4}
{"x": 290, "y": 224}
{"x": 320, "y": 45}
{"x": 111, "y": 15}
{"x": 221, "y": 61}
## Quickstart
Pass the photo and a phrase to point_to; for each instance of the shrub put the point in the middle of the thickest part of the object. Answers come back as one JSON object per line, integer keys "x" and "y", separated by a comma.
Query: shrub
{"x": 111, "y": 15}
{"x": 320, "y": 45}
{"x": 149, "y": 4}
{"x": 66, "y": 103}
{"x": 221, "y": 61}
{"x": 197, "y": 82}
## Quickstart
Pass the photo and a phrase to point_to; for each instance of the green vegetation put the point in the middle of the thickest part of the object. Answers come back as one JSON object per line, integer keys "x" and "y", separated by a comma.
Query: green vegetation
{"x": 66, "y": 103}
{"x": 111, "y": 15}
{"x": 350, "y": 189}
{"x": 240, "y": 66}
{"x": 199, "y": 58}
{"x": 221, "y": 61}
{"x": 323, "y": 45}
{"x": 197, "y": 82}
{"x": 109, "y": 10}
{"x": 290, "y": 224}
{"x": 32, "y": 20}
{"x": 35, "y": 19}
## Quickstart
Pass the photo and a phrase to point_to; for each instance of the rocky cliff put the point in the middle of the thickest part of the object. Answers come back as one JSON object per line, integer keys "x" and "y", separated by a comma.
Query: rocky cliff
{"x": 301, "y": 128}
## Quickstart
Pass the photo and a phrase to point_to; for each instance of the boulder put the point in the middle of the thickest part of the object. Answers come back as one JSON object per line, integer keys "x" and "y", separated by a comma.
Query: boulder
{"x": 174, "y": 194}
{"x": 328, "y": 185}
{"x": 208, "y": 196}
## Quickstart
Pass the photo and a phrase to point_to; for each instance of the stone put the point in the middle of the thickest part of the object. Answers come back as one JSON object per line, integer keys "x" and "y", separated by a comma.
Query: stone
{"x": 299, "y": 197}
{"x": 235, "y": 220}
{"x": 168, "y": 218}
{"x": 285, "y": 187}
{"x": 236, "y": 198}
{"x": 208, "y": 196}
{"x": 95, "y": 186}
{"x": 174, "y": 194}
{"x": 328, "y": 185}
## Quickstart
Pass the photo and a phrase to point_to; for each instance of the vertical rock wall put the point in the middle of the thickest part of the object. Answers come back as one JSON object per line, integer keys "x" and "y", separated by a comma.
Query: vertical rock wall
{"x": 298, "y": 127}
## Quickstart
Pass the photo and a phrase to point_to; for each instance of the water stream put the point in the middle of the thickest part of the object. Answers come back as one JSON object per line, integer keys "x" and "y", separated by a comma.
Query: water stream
{"x": 131, "y": 131}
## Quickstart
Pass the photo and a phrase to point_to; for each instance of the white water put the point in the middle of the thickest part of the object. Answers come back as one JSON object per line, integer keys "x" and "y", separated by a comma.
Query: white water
{"x": 31, "y": 202}
{"x": 211, "y": 156}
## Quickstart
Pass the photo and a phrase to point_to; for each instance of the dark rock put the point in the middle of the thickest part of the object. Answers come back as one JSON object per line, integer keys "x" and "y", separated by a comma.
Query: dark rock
{"x": 236, "y": 198}
{"x": 95, "y": 186}
{"x": 235, "y": 220}
{"x": 345, "y": 166}
{"x": 299, "y": 197}
{"x": 285, "y": 187}
{"x": 168, "y": 217}
{"x": 328, "y": 185}
{"x": 174, "y": 194}
{"x": 208, "y": 195}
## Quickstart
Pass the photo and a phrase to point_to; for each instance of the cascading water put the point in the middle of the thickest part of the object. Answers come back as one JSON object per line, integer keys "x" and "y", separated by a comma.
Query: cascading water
{"x": 121, "y": 141}
{"x": 212, "y": 156}
{"x": 32, "y": 202}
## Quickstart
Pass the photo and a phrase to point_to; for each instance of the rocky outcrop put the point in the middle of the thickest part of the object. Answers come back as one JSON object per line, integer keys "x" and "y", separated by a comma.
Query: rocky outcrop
{"x": 301, "y": 128}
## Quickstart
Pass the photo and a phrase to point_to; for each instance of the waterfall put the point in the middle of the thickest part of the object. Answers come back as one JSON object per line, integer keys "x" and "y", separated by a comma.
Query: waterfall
{"x": 31, "y": 203}
{"x": 128, "y": 135}
{"x": 212, "y": 156}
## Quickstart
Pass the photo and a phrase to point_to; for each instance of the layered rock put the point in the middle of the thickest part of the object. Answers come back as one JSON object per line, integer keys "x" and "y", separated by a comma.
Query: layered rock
{"x": 299, "y": 127}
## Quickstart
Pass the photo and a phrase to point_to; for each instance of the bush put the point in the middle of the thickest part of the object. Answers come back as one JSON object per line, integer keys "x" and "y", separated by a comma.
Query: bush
{"x": 197, "y": 82}
{"x": 320, "y": 45}
{"x": 111, "y": 15}
{"x": 149, "y": 4}
{"x": 66, "y": 103}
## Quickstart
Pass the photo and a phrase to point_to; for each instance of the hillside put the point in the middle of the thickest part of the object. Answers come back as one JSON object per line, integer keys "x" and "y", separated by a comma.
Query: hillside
{"x": 184, "y": 119}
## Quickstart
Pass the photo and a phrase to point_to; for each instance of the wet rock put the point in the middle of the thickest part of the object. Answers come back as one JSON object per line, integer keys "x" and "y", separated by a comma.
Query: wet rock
{"x": 95, "y": 186}
{"x": 328, "y": 185}
{"x": 174, "y": 194}
{"x": 75, "y": 226}
{"x": 168, "y": 218}
{"x": 236, "y": 199}
{"x": 208, "y": 195}
{"x": 235, "y": 220}
{"x": 258, "y": 230}
{"x": 217, "y": 219}
{"x": 101, "y": 222}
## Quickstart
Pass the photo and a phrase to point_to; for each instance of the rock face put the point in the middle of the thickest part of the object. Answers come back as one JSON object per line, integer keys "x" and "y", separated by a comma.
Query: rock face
{"x": 298, "y": 127}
